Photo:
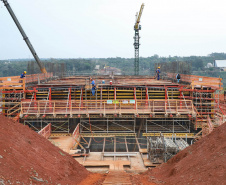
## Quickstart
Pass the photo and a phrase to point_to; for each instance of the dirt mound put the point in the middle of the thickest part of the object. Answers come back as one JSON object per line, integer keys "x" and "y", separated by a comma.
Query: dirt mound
{"x": 202, "y": 163}
{"x": 26, "y": 157}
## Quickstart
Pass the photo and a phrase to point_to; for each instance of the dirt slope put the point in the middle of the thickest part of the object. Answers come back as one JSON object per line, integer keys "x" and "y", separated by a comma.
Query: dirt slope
{"x": 27, "y": 157}
{"x": 202, "y": 163}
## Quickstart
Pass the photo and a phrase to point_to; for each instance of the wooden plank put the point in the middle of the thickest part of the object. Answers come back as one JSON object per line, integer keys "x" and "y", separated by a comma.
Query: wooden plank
{"x": 143, "y": 150}
{"x": 180, "y": 135}
{"x": 114, "y": 146}
{"x": 103, "y": 148}
{"x": 127, "y": 150}
{"x": 79, "y": 155}
{"x": 117, "y": 177}
{"x": 148, "y": 163}
{"x": 113, "y": 165}
{"x": 138, "y": 143}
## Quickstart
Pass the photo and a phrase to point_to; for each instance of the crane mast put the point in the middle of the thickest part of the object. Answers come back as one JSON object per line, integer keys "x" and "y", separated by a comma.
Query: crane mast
{"x": 136, "y": 44}
{"x": 43, "y": 70}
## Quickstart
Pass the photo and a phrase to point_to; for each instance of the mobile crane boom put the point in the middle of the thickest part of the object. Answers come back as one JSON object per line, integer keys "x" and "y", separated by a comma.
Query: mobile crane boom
{"x": 26, "y": 39}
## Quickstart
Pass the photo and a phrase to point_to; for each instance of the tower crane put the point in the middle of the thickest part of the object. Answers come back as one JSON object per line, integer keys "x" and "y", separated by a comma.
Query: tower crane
{"x": 43, "y": 70}
{"x": 136, "y": 44}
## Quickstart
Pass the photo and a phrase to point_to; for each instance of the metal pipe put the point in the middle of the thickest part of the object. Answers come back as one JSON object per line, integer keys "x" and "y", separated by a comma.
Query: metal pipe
{"x": 116, "y": 154}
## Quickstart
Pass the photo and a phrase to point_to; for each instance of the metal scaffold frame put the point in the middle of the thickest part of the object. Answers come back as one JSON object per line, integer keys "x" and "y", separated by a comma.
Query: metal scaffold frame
{"x": 58, "y": 126}
{"x": 168, "y": 125}
{"x": 128, "y": 98}
{"x": 106, "y": 125}
{"x": 161, "y": 148}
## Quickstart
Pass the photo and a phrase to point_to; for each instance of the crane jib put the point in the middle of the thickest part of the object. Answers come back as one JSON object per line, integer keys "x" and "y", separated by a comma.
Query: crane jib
{"x": 139, "y": 17}
{"x": 26, "y": 39}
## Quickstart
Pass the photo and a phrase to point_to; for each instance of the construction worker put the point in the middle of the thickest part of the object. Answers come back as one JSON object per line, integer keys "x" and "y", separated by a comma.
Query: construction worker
{"x": 23, "y": 74}
{"x": 157, "y": 73}
{"x": 93, "y": 86}
{"x": 178, "y": 78}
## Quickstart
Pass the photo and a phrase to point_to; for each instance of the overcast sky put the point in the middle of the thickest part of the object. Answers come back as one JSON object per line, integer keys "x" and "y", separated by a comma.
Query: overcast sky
{"x": 104, "y": 28}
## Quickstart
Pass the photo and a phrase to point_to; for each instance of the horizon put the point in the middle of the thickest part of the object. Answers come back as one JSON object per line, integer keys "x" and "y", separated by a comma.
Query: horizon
{"x": 208, "y": 55}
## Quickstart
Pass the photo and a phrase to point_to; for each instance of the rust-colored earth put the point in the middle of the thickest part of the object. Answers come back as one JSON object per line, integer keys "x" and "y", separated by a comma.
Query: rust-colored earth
{"x": 26, "y": 157}
{"x": 203, "y": 163}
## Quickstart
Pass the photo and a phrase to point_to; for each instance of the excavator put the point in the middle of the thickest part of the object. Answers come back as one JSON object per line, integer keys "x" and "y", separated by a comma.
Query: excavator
{"x": 26, "y": 39}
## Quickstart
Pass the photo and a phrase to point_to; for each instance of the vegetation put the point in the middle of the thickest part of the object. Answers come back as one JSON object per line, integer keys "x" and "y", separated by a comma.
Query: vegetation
{"x": 147, "y": 65}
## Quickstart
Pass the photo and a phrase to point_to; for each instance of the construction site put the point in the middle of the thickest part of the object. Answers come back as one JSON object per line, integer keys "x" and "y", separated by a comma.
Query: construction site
{"x": 131, "y": 123}
{"x": 125, "y": 126}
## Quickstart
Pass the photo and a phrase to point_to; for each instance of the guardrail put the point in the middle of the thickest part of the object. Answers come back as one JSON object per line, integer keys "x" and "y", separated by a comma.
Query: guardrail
{"x": 36, "y": 77}
{"x": 14, "y": 109}
{"x": 76, "y": 137}
{"x": 210, "y": 124}
{"x": 46, "y": 131}
{"x": 15, "y": 82}
{"x": 54, "y": 107}
{"x": 199, "y": 80}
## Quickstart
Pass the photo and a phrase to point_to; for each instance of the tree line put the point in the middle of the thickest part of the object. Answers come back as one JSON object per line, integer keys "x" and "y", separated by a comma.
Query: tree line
{"x": 126, "y": 65}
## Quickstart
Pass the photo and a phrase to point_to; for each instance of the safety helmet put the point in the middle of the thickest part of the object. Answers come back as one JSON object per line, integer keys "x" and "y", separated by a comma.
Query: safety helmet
{"x": 25, "y": 72}
{"x": 158, "y": 67}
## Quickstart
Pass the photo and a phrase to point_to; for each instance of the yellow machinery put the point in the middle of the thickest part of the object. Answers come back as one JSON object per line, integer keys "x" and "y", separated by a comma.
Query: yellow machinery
{"x": 136, "y": 26}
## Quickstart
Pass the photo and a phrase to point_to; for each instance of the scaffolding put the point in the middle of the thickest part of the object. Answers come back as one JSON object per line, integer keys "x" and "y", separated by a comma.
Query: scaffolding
{"x": 161, "y": 149}
{"x": 131, "y": 105}
{"x": 58, "y": 126}
{"x": 75, "y": 108}
{"x": 106, "y": 125}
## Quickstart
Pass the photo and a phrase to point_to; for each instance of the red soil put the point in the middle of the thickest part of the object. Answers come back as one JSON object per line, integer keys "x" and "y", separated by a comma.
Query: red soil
{"x": 26, "y": 157}
{"x": 94, "y": 179}
{"x": 202, "y": 163}
{"x": 144, "y": 179}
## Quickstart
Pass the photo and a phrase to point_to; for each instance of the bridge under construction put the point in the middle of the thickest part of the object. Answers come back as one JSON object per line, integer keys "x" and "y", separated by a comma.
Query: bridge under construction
{"x": 127, "y": 115}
